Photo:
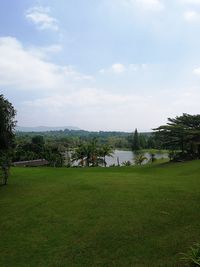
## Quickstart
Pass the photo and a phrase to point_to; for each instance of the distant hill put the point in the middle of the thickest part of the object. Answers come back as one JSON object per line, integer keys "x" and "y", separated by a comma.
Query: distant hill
{"x": 45, "y": 128}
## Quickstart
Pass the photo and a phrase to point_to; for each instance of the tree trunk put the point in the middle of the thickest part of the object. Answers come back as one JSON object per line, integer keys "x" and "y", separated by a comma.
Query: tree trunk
{"x": 104, "y": 160}
{"x": 118, "y": 164}
{"x": 5, "y": 175}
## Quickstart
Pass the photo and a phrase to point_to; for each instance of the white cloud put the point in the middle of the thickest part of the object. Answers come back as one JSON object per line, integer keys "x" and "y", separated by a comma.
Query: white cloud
{"x": 23, "y": 68}
{"x": 95, "y": 109}
{"x": 116, "y": 68}
{"x": 148, "y": 5}
{"x": 196, "y": 71}
{"x": 89, "y": 108}
{"x": 119, "y": 68}
{"x": 86, "y": 97}
{"x": 156, "y": 5}
{"x": 42, "y": 18}
{"x": 45, "y": 52}
{"x": 190, "y": 2}
{"x": 192, "y": 16}
{"x": 70, "y": 99}
{"x": 52, "y": 48}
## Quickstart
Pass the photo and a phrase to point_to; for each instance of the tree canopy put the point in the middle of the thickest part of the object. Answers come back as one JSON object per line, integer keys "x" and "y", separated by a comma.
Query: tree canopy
{"x": 7, "y": 126}
{"x": 136, "y": 141}
{"x": 7, "y": 123}
{"x": 182, "y": 132}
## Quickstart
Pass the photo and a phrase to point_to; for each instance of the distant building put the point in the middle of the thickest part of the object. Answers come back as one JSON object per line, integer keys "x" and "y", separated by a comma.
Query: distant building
{"x": 31, "y": 163}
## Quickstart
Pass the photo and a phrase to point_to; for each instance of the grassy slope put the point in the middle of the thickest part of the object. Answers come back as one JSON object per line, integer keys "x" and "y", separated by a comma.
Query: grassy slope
{"x": 140, "y": 216}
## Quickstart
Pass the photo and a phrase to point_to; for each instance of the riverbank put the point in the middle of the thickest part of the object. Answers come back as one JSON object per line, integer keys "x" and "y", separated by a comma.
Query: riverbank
{"x": 160, "y": 151}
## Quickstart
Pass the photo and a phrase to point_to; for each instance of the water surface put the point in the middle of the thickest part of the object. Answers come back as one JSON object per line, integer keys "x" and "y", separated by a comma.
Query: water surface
{"x": 122, "y": 156}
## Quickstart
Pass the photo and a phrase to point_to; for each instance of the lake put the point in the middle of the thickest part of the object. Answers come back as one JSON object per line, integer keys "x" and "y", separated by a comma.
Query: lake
{"x": 122, "y": 156}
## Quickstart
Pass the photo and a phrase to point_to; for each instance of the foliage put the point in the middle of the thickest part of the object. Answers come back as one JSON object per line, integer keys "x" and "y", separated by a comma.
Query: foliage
{"x": 181, "y": 133}
{"x": 139, "y": 158}
{"x": 37, "y": 148}
{"x": 126, "y": 163}
{"x": 5, "y": 163}
{"x": 73, "y": 138}
{"x": 192, "y": 257}
{"x": 91, "y": 154}
{"x": 54, "y": 155}
{"x": 136, "y": 141}
{"x": 104, "y": 151}
{"x": 7, "y": 126}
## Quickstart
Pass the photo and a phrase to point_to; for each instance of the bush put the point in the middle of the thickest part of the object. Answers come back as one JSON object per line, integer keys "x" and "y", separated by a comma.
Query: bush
{"x": 126, "y": 163}
{"x": 181, "y": 156}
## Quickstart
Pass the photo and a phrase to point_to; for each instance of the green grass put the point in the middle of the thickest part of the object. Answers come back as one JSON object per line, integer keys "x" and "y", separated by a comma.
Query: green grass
{"x": 137, "y": 216}
{"x": 155, "y": 151}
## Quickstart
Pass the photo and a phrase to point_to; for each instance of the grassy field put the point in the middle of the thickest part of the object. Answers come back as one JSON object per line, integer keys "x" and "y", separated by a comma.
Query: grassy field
{"x": 135, "y": 216}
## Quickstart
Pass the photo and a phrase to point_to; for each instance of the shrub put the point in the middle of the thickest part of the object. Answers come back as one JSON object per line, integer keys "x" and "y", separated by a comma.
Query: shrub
{"x": 180, "y": 156}
{"x": 126, "y": 163}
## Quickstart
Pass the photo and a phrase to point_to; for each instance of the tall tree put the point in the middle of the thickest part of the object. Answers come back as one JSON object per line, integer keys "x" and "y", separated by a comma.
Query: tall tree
{"x": 7, "y": 126}
{"x": 136, "y": 141}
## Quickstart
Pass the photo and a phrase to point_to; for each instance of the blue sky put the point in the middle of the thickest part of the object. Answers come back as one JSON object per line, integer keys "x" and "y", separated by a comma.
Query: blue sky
{"x": 100, "y": 65}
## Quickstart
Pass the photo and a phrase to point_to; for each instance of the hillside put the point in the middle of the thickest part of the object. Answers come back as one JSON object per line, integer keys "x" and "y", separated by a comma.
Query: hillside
{"x": 136, "y": 216}
{"x": 40, "y": 129}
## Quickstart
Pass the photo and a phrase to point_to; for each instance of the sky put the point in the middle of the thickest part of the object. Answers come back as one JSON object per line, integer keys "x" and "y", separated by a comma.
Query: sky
{"x": 100, "y": 64}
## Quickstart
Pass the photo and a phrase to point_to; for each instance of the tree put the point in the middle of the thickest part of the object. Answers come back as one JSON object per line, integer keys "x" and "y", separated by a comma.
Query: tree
{"x": 7, "y": 126}
{"x": 139, "y": 158}
{"x": 181, "y": 133}
{"x": 142, "y": 141}
{"x": 54, "y": 155}
{"x": 79, "y": 155}
{"x": 136, "y": 142}
{"x": 91, "y": 154}
{"x": 105, "y": 150}
{"x": 37, "y": 145}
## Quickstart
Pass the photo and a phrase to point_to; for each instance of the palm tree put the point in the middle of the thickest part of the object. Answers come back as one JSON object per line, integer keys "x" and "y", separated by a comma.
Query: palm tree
{"x": 79, "y": 155}
{"x": 86, "y": 154}
{"x": 91, "y": 154}
{"x": 139, "y": 158}
{"x": 105, "y": 150}
{"x": 92, "y": 151}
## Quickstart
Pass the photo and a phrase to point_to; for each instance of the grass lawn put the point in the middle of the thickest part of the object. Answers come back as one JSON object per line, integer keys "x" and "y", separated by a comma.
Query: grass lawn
{"x": 128, "y": 216}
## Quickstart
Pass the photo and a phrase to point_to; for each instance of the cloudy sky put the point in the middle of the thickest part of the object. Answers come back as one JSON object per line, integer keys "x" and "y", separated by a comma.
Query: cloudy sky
{"x": 100, "y": 64}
